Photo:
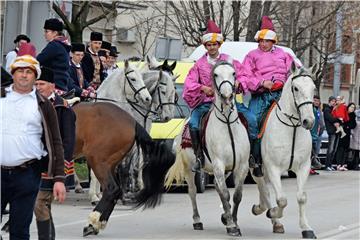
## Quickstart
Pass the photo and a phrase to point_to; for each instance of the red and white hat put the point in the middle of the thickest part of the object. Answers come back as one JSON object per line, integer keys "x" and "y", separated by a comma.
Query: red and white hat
{"x": 213, "y": 33}
{"x": 266, "y": 31}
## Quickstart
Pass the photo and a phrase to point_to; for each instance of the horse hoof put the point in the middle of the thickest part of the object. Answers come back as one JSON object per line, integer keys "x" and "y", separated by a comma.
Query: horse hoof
{"x": 268, "y": 213}
{"x": 79, "y": 190}
{"x": 278, "y": 228}
{"x": 253, "y": 210}
{"x": 309, "y": 234}
{"x": 198, "y": 226}
{"x": 233, "y": 231}
{"x": 90, "y": 230}
{"x": 223, "y": 219}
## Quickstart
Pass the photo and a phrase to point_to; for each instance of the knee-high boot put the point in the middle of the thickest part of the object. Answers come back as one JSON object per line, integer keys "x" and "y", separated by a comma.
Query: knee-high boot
{"x": 195, "y": 140}
{"x": 255, "y": 157}
{"x": 46, "y": 230}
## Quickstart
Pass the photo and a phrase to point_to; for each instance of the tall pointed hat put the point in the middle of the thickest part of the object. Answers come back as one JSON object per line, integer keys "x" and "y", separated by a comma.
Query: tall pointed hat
{"x": 212, "y": 34}
{"x": 266, "y": 31}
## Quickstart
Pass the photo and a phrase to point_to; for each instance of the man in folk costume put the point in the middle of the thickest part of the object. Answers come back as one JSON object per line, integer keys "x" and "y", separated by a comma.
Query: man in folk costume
{"x": 91, "y": 63}
{"x": 270, "y": 66}
{"x": 56, "y": 54}
{"x": 77, "y": 78}
{"x": 10, "y": 57}
{"x": 199, "y": 91}
{"x": 66, "y": 119}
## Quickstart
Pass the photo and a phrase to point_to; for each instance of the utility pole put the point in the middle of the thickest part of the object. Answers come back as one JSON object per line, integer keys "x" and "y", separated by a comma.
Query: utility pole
{"x": 338, "y": 53}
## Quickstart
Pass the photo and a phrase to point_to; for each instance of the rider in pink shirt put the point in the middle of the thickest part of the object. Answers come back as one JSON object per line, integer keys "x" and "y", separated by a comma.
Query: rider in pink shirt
{"x": 199, "y": 92}
{"x": 270, "y": 66}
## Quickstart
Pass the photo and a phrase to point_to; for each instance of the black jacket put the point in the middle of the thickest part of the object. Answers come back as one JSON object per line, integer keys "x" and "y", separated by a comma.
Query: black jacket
{"x": 56, "y": 56}
{"x": 329, "y": 120}
{"x": 74, "y": 80}
{"x": 87, "y": 64}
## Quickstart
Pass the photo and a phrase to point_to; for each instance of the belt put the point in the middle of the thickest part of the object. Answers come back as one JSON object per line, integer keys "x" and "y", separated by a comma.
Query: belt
{"x": 22, "y": 166}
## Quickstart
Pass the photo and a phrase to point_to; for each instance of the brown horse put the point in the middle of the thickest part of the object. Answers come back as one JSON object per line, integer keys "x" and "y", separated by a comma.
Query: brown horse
{"x": 104, "y": 135}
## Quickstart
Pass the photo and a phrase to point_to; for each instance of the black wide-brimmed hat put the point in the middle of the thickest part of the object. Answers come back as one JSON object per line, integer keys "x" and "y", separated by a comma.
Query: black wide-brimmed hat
{"x": 106, "y": 45}
{"x": 96, "y": 36}
{"x": 54, "y": 24}
{"x": 77, "y": 47}
{"x": 113, "y": 51}
{"x": 21, "y": 37}
{"x": 46, "y": 74}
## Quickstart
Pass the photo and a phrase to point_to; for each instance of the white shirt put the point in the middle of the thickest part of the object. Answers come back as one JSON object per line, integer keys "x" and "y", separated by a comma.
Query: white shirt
{"x": 21, "y": 129}
{"x": 10, "y": 58}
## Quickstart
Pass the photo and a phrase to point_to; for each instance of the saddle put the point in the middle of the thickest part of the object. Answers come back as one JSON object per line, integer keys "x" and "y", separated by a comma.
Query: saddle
{"x": 264, "y": 119}
{"x": 186, "y": 139}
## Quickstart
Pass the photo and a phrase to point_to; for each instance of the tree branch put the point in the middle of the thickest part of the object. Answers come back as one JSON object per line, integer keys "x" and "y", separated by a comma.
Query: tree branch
{"x": 61, "y": 15}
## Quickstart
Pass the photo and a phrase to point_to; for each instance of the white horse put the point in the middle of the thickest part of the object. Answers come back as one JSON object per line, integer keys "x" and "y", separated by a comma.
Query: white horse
{"x": 228, "y": 148}
{"x": 287, "y": 146}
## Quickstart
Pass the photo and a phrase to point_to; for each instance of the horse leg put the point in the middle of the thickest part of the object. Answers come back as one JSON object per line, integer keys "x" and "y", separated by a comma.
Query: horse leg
{"x": 275, "y": 179}
{"x": 99, "y": 217}
{"x": 220, "y": 185}
{"x": 265, "y": 203}
{"x": 94, "y": 189}
{"x": 78, "y": 188}
{"x": 190, "y": 179}
{"x": 239, "y": 177}
{"x": 302, "y": 175}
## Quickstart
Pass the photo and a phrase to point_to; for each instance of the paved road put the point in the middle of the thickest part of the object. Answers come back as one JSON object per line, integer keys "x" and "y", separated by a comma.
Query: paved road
{"x": 333, "y": 212}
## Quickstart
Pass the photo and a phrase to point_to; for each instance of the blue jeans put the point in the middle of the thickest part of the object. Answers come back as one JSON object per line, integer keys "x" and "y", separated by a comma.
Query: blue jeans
{"x": 194, "y": 122}
{"x": 196, "y": 113}
{"x": 250, "y": 118}
{"x": 19, "y": 188}
{"x": 260, "y": 103}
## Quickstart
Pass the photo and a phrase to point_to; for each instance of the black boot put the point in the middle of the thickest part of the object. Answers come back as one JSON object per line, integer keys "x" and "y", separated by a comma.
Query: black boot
{"x": 255, "y": 157}
{"x": 46, "y": 230}
{"x": 195, "y": 141}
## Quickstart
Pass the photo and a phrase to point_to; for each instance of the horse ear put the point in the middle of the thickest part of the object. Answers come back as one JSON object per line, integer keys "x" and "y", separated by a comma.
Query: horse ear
{"x": 126, "y": 64}
{"x": 165, "y": 64}
{"x": 293, "y": 67}
{"x": 173, "y": 66}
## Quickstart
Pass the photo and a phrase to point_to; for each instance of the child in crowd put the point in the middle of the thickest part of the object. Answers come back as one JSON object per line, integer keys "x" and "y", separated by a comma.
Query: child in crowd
{"x": 340, "y": 112}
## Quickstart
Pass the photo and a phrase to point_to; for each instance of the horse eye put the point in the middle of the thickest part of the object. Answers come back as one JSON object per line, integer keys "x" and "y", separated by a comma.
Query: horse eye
{"x": 215, "y": 75}
{"x": 163, "y": 92}
{"x": 133, "y": 79}
{"x": 234, "y": 74}
{"x": 296, "y": 89}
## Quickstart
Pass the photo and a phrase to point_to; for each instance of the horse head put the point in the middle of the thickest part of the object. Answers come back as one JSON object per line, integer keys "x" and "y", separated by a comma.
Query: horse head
{"x": 162, "y": 90}
{"x": 153, "y": 64}
{"x": 135, "y": 88}
{"x": 299, "y": 90}
{"x": 223, "y": 75}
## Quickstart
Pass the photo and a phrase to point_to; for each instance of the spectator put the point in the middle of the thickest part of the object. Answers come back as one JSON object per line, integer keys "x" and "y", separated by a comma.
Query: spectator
{"x": 344, "y": 143}
{"x": 112, "y": 60}
{"x": 355, "y": 143}
{"x": 10, "y": 57}
{"x": 33, "y": 144}
{"x": 315, "y": 164}
{"x": 340, "y": 112}
{"x": 56, "y": 54}
{"x": 66, "y": 119}
{"x": 91, "y": 63}
{"x": 77, "y": 77}
{"x": 331, "y": 123}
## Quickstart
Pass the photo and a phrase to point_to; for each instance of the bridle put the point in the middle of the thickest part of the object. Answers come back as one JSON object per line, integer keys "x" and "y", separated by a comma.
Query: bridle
{"x": 297, "y": 106}
{"x": 221, "y": 110}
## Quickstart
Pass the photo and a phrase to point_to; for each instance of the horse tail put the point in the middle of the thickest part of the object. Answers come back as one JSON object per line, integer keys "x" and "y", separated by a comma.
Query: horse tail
{"x": 176, "y": 172}
{"x": 158, "y": 158}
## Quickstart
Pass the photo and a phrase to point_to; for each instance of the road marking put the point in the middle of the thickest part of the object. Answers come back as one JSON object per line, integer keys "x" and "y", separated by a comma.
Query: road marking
{"x": 344, "y": 232}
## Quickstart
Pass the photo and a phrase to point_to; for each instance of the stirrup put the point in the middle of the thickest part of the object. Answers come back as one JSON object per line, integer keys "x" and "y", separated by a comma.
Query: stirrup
{"x": 197, "y": 166}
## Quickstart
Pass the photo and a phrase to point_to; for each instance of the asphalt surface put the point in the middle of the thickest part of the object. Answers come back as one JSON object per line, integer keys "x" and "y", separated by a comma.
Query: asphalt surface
{"x": 332, "y": 210}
